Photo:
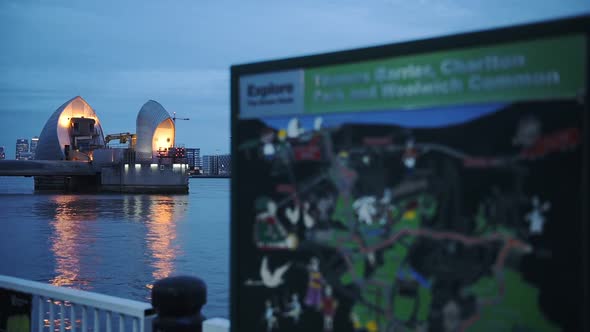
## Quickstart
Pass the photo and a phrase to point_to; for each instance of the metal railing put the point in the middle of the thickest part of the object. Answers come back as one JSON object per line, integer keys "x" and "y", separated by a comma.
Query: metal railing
{"x": 60, "y": 309}
{"x": 216, "y": 325}
{"x": 65, "y": 309}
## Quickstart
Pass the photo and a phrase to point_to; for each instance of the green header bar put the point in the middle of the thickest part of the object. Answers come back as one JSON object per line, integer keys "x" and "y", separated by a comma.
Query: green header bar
{"x": 540, "y": 69}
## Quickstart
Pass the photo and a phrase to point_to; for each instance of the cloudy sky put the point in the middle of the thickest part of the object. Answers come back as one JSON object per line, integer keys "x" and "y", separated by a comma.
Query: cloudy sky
{"x": 119, "y": 54}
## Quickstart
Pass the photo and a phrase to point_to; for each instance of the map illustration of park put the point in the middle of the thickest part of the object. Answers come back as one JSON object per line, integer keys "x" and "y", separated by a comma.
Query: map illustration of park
{"x": 448, "y": 220}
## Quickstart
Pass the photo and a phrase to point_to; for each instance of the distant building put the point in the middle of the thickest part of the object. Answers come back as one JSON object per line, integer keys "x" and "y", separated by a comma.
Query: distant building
{"x": 22, "y": 149}
{"x": 26, "y": 156}
{"x": 33, "y": 147}
{"x": 224, "y": 164}
{"x": 210, "y": 165}
{"x": 193, "y": 156}
{"x": 2, "y": 153}
{"x": 217, "y": 165}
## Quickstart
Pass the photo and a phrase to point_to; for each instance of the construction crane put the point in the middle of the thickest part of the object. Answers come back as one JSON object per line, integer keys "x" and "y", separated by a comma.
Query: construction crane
{"x": 174, "y": 118}
{"x": 122, "y": 137}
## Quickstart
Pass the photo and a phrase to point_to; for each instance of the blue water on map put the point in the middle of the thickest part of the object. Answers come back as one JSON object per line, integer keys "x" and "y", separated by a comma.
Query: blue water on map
{"x": 118, "y": 244}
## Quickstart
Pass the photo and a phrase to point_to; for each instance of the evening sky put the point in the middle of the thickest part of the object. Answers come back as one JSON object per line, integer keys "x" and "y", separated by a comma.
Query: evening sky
{"x": 119, "y": 54}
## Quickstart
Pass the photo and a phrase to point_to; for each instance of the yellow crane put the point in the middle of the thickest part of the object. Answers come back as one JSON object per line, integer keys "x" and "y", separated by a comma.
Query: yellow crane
{"x": 122, "y": 137}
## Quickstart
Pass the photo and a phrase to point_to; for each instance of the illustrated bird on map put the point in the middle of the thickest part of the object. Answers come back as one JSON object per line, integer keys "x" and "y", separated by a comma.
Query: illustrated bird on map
{"x": 269, "y": 279}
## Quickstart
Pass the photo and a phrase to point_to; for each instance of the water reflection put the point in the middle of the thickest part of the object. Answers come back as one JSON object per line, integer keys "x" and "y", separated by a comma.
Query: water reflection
{"x": 66, "y": 244}
{"x": 117, "y": 244}
{"x": 161, "y": 233}
{"x": 136, "y": 236}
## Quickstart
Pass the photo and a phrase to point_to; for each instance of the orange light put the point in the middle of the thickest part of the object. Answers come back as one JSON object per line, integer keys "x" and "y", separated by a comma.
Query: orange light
{"x": 64, "y": 121}
{"x": 161, "y": 235}
{"x": 66, "y": 251}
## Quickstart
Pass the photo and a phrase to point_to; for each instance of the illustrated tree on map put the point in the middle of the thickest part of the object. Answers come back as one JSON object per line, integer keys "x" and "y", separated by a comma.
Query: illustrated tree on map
{"x": 376, "y": 237}
{"x": 394, "y": 290}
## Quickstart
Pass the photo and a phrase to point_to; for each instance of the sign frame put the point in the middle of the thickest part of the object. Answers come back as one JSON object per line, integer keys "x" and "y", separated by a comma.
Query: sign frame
{"x": 520, "y": 33}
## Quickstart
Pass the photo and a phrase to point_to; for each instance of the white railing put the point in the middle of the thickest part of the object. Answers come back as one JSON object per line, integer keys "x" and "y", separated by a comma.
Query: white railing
{"x": 65, "y": 309}
{"x": 216, "y": 325}
{"x": 60, "y": 309}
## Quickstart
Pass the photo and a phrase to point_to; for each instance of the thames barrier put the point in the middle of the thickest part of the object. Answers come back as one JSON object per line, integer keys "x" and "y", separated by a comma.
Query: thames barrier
{"x": 74, "y": 155}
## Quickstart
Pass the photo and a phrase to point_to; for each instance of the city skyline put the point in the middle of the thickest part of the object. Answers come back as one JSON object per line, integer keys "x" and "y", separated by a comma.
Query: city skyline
{"x": 117, "y": 62}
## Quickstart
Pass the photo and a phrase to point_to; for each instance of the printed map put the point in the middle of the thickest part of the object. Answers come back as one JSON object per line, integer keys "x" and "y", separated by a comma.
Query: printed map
{"x": 453, "y": 222}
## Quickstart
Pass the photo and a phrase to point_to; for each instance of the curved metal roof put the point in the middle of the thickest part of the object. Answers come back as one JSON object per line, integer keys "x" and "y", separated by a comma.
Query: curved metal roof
{"x": 149, "y": 118}
{"x": 55, "y": 135}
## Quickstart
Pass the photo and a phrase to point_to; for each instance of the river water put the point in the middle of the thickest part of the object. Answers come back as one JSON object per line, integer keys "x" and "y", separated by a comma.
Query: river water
{"x": 118, "y": 244}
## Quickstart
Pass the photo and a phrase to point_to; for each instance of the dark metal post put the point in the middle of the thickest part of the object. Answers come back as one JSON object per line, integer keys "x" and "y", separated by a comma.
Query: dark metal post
{"x": 178, "y": 302}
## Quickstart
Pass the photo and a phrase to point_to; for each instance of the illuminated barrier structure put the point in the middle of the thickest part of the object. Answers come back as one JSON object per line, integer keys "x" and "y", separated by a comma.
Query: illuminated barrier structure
{"x": 72, "y": 133}
{"x": 152, "y": 163}
{"x": 155, "y": 131}
{"x": 72, "y": 154}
